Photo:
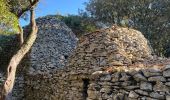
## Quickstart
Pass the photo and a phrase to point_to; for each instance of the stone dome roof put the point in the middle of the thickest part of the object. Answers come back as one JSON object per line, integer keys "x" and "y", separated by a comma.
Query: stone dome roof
{"x": 109, "y": 47}
{"x": 54, "y": 43}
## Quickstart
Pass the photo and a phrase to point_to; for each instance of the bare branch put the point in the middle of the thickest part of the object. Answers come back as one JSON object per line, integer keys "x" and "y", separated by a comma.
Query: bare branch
{"x": 32, "y": 4}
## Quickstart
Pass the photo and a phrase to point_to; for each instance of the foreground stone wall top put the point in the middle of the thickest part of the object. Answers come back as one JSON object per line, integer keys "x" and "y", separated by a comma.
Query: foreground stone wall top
{"x": 144, "y": 84}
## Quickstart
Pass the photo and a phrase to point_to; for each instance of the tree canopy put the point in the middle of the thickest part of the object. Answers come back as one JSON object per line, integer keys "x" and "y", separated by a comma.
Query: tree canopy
{"x": 151, "y": 17}
{"x": 11, "y": 11}
{"x": 8, "y": 20}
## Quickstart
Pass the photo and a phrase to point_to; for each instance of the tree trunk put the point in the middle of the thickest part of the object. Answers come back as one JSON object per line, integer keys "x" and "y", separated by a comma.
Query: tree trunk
{"x": 20, "y": 35}
{"x": 15, "y": 60}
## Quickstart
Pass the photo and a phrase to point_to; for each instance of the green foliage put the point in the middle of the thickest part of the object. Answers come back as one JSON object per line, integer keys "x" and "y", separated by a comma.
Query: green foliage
{"x": 78, "y": 24}
{"x": 151, "y": 17}
{"x": 74, "y": 21}
{"x": 16, "y": 6}
{"x": 8, "y": 15}
{"x": 60, "y": 17}
{"x": 8, "y": 20}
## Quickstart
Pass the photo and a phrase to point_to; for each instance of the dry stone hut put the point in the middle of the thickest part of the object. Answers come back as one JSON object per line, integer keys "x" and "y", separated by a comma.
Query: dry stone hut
{"x": 116, "y": 64}
{"x": 54, "y": 44}
{"x": 109, "y": 64}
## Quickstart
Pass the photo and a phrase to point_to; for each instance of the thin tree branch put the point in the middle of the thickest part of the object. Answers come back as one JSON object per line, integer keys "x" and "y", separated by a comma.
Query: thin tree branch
{"x": 32, "y": 4}
{"x": 20, "y": 35}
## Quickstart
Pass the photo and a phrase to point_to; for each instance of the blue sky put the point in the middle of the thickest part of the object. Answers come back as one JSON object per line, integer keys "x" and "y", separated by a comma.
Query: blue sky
{"x": 52, "y": 7}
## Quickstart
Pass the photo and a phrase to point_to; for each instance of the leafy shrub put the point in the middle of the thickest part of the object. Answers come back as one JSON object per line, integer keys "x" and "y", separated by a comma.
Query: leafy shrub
{"x": 78, "y": 24}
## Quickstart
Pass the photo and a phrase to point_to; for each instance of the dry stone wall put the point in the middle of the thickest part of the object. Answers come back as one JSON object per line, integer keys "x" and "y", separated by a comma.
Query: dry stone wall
{"x": 60, "y": 85}
{"x": 7, "y": 49}
{"x": 124, "y": 84}
{"x": 144, "y": 84}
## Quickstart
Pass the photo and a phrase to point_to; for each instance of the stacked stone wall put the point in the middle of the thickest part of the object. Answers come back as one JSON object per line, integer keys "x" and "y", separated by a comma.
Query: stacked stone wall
{"x": 145, "y": 84}
{"x": 123, "y": 84}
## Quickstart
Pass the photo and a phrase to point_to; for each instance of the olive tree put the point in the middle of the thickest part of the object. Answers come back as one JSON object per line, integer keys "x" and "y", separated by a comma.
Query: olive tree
{"x": 15, "y": 8}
